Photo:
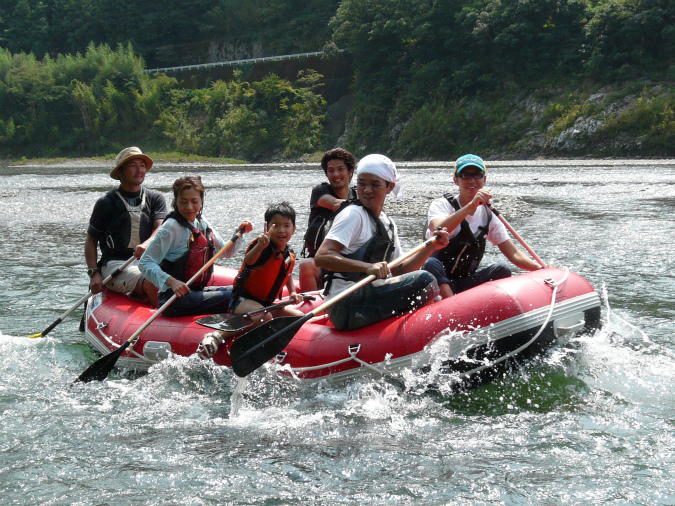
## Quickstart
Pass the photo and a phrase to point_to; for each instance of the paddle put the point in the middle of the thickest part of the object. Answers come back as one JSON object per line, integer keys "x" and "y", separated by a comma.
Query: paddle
{"x": 79, "y": 302}
{"x": 263, "y": 343}
{"x": 515, "y": 234}
{"x": 228, "y": 322}
{"x": 100, "y": 369}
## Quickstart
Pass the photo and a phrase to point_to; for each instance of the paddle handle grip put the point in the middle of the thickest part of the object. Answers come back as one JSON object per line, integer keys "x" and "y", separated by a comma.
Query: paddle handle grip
{"x": 208, "y": 264}
{"x": 372, "y": 277}
{"x": 515, "y": 234}
{"x": 117, "y": 271}
{"x": 275, "y": 306}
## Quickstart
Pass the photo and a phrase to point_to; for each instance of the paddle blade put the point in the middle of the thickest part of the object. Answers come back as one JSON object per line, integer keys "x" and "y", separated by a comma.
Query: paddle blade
{"x": 35, "y": 336}
{"x": 263, "y": 343}
{"x": 226, "y": 322}
{"x": 99, "y": 370}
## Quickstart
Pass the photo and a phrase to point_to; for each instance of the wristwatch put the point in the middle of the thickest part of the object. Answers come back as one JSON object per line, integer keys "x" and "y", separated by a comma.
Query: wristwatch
{"x": 91, "y": 272}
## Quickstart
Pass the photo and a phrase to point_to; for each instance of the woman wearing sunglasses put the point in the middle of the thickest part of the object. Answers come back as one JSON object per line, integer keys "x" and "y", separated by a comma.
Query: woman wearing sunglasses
{"x": 470, "y": 224}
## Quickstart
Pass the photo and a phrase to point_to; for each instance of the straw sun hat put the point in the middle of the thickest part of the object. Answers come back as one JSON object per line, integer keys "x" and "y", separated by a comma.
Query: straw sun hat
{"x": 128, "y": 154}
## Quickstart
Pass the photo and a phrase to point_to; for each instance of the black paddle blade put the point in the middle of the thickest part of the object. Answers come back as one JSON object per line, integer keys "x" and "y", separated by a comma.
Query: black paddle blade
{"x": 99, "y": 370}
{"x": 226, "y": 322}
{"x": 263, "y": 343}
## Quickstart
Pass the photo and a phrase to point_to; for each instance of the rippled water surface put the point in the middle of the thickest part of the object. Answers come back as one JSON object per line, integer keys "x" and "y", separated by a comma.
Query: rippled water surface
{"x": 587, "y": 424}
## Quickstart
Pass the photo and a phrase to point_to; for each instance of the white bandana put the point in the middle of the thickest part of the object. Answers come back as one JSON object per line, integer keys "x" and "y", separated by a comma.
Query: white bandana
{"x": 381, "y": 166}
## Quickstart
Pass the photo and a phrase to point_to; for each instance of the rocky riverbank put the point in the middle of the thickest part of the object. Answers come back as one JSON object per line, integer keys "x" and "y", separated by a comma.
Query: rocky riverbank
{"x": 625, "y": 121}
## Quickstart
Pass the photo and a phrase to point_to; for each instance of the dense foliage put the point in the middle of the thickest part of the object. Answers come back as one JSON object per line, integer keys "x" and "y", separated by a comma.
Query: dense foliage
{"x": 431, "y": 77}
{"x": 456, "y": 68}
{"x": 247, "y": 120}
{"x": 163, "y": 31}
{"x": 79, "y": 104}
{"x": 101, "y": 101}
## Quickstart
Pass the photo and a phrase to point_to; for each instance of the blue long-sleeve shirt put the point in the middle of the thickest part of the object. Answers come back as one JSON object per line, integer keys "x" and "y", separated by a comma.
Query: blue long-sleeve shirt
{"x": 170, "y": 243}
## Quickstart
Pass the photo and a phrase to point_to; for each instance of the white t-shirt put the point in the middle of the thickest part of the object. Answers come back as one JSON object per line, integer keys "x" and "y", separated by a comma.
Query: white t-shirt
{"x": 353, "y": 228}
{"x": 441, "y": 209}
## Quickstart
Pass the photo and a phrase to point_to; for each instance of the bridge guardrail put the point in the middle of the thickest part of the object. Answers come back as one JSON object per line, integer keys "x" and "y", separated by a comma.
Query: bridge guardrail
{"x": 239, "y": 62}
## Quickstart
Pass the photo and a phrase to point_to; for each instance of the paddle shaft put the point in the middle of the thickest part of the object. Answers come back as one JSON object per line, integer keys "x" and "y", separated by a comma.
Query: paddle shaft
{"x": 84, "y": 298}
{"x": 197, "y": 274}
{"x": 243, "y": 354}
{"x": 268, "y": 308}
{"x": 515, "y": 234}
{"x": 372, "y": 277}
{"x": 100, "y": 369}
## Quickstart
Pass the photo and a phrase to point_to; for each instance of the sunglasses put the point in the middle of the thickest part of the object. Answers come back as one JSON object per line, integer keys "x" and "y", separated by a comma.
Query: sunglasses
{"x": 471, "y": 175}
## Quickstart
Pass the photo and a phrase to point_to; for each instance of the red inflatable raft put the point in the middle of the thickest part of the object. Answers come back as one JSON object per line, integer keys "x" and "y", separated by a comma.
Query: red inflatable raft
{"x": 475, "y": 332}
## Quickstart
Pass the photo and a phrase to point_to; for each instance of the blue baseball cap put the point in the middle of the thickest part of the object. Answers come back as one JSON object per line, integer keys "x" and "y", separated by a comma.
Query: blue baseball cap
{"x": 469, "y": 161}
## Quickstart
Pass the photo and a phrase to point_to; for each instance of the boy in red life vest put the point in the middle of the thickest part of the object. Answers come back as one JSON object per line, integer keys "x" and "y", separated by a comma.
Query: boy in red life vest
{"x": 268, "y": 267}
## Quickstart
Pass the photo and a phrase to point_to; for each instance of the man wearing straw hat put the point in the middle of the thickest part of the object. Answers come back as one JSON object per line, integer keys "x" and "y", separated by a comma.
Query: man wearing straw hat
{"x": 122, "y": 223}
{"x": 470, "y": 224}
{"x": 361, "y": 242}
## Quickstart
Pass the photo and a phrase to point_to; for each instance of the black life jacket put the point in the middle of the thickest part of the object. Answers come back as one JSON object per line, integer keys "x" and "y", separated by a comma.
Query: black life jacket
{"x": 320, "y": 219}
{"x": 264, "y": 280}
{"x": 463, "y": 254}
{"x": 201, "y": 248}
{"x": 130, "y": 226}
{"x": 379, "y": 248}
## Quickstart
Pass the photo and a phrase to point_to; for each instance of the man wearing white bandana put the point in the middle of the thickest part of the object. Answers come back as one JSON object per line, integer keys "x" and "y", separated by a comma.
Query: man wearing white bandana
{"x": 361, "y": 241}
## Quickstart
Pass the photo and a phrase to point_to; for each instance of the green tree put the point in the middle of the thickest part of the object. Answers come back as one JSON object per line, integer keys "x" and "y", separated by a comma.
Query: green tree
{"x": 26, "y": 28}
{"x": 252, "y": 121}
{"x": 381, "y": 37}
{"x": 71, "y": 26}
{"x": 631, "y": 36}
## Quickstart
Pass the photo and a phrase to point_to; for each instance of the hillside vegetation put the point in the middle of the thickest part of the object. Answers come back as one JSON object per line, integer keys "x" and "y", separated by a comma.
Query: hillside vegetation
{"x": 509, "y": 78}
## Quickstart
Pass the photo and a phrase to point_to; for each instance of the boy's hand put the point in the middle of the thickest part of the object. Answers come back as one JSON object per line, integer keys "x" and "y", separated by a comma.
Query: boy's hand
{"x": 264, "y": 238}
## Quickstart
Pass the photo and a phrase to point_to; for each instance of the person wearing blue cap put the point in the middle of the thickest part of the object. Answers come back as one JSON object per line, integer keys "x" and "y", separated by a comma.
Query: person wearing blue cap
{"x": 470, "y": 224}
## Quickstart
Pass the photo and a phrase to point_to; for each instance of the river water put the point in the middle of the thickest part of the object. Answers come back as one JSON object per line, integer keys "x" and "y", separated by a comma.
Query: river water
{"x": 588, "y": 424}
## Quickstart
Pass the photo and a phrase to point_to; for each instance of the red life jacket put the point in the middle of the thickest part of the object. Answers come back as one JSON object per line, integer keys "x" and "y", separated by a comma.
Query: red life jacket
{"x": 264, "y": 280}
{"x": 201, "y": 248}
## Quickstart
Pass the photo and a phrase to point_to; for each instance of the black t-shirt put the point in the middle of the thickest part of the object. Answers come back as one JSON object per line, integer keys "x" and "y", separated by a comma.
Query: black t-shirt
{"x": 105, "y": 210}
{"x": 319, "y": 191}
